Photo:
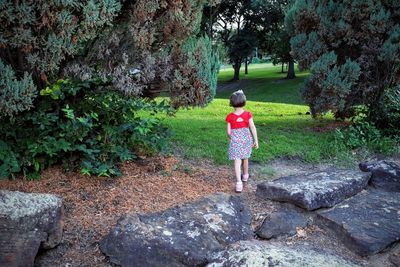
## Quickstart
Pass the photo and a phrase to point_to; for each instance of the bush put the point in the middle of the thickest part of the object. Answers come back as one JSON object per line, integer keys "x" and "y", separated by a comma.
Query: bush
{"x": 363, "y": 133}
{"x": 387, "y": 114}
{"x": 81, "y": 126}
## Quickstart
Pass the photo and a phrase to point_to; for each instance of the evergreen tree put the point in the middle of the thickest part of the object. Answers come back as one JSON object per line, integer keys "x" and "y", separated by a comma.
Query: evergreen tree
{"x": 37, "y": 36}
{"x": 147, "y": 53}
{"x": 352, "y": 49}
{"x": 139, "y": 47}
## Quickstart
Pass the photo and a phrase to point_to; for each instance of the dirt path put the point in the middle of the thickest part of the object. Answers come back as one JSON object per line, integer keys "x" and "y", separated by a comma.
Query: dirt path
{"x": 93, "y": 205}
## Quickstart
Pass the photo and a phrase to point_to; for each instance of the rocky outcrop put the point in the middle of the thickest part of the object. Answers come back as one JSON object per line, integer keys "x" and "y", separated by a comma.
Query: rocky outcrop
{"x": 283, "y": 222}
{"x": 385, "y": 174}
{"x": 366, "y": 223}
{"x": 185, "y": 235}
{"x": 258, "y": 254}
{"x": 316, "y": 190}
{"x": 28, "y": 222}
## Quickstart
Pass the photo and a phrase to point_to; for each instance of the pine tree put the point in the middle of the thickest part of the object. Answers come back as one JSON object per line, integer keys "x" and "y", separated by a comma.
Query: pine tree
{"x": 147, "y": 53}
{"x": 352, "y": 49}
{"x": 37, "y": 36}
{"x": 139, "y": 47}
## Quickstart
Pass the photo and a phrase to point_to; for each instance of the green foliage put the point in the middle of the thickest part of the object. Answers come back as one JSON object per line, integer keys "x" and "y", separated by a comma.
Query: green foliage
{"x": 364, "y": 134}
{"x": 153, "y": 48}
{"x": 387, "y": 114}
{"x": 352, "y": 48}
{"x": 82, "y": 126}
{"x": 37, "y": 36}
{"x": 15, "y": 94}
{"x": 241, "y": 46}
{"x": 328, "y": 79}
{"x": 196, "y": 77}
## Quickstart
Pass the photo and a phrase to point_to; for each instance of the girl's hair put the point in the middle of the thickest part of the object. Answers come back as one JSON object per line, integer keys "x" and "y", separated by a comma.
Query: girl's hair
{"x": 238, "y": 99}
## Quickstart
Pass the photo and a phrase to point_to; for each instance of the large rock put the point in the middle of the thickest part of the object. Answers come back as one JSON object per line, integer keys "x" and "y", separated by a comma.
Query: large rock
{"x": 28, "y": 222}
{"x": 185, "y": 235}
{"x": 366, "y": 223}
{"x": 315, "y": 190}
{"x": 283, "y": 222}
{"x": 385, "y": 174}
{"x": 260, "y": 254}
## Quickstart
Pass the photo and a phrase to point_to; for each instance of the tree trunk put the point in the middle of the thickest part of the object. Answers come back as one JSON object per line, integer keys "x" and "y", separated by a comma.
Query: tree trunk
{"x": 282, "y": 67}
{"x": 245, "y": 67}
{"x": 236, "y": 68}
{"x": 290, "y": 73}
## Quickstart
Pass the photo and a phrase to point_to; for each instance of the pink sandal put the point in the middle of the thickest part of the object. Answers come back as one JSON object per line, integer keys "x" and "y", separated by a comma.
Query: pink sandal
{"x": 239, "y": 187}
{"x": 245, "y": 177}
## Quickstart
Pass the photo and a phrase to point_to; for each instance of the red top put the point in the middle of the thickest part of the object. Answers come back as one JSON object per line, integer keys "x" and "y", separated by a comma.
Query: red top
{"x": 239, "y": 121}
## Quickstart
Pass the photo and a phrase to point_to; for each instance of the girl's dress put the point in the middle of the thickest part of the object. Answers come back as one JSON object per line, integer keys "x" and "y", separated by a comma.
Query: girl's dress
{"x": 241, "y": 142}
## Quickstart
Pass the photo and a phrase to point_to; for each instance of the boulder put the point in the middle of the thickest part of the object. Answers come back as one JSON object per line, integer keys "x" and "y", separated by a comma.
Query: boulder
{"x": 29, "y": 222}
{"x": 322, "y": 189}
{"x": 366, "y": 223}
{"x": 259, "y": 254}
{"x": 184, "y": 235}
{"x": 385, "y": 174}
{"x": 283, "y": 222}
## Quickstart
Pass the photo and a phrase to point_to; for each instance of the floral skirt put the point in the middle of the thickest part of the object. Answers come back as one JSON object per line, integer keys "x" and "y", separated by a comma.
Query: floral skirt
{"x": 240, "y": 144}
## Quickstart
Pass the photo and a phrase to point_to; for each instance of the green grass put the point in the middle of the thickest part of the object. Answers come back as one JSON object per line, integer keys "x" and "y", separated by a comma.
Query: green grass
{"x": 284, "y": 129}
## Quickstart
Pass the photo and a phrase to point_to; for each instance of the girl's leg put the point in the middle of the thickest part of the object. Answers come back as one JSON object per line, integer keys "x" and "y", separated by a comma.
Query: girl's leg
{"x": 239, "y": 184}
{"x": 246, "y": 167}
{"x": 238, "y": 163}
{"x": 245, "y": 176}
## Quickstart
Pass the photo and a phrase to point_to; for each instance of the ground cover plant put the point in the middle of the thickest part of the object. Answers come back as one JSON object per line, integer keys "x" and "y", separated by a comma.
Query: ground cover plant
{"x": 285, "y": 127}
{"x": 84, "y": 127}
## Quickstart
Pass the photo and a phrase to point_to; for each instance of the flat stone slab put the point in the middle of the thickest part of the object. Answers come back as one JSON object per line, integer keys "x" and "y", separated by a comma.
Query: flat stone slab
{"x": 366, "y": 223}
{"x": 283, "y": 222}
{"x": 385, "y": 174}
{"x": 312, "y": 191}
{"x": 28, "y": 221}
{"x": 261, "y": 254}
{"x": 185, "y": 235}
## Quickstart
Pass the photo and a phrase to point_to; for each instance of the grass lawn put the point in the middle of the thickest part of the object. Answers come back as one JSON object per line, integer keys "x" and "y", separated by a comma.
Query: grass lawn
{"x": 284, "y": 129}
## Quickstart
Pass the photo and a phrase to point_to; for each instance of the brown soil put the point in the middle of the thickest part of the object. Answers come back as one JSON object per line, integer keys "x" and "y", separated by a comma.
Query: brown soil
{"x": 93, "y": 205}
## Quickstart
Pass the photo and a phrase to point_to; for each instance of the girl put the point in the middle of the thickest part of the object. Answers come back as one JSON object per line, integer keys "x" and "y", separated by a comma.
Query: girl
{"x": 238, "y": 123}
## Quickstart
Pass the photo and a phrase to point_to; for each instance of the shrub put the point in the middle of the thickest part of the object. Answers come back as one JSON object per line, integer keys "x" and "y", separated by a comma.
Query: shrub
{"x": 80, "y": 125}
{"x": 363, "y": 133}
{"x": 387, "y": 113}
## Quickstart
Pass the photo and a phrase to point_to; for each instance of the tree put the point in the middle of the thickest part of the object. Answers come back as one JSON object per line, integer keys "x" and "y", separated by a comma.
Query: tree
{"x": 137, "y": 47}
{"x": 241, "y": 25}
{"x": 277, "y": 39}
{"x": 240, "y": 47}
{"x": 352, "y": 49}
{"x": 96, "y": 64}
{"x": 150, "y": 40}
{"x": 280, "y": 50}
{"x": 37, "y": 36}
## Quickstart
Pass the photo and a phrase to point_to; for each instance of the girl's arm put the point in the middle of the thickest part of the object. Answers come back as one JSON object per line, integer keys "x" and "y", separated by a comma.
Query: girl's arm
{"x": 228, "y": 129}
{"x": 253, "y": 132}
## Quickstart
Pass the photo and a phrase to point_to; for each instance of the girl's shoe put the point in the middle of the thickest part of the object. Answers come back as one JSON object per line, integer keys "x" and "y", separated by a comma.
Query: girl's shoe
{"x": 245, "y": 177}
{"x": 239, "y": 187}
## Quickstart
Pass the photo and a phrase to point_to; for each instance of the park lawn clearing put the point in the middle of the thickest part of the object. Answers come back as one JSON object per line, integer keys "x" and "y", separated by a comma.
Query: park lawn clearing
{"x": 285, "y": 128}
